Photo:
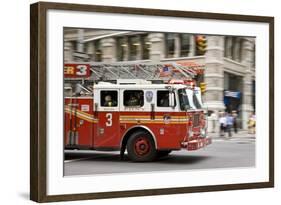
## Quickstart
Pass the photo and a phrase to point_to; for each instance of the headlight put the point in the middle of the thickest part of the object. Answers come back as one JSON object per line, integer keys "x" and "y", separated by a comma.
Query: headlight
{"x": 203, "y": 132}
{"x": 190, "y": 132}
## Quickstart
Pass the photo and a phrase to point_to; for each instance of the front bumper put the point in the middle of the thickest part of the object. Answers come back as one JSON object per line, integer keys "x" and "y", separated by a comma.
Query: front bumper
{"x": 197, "y": 143}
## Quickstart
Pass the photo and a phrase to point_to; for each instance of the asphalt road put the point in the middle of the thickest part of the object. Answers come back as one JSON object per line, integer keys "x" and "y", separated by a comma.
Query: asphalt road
{"x": 238, "y": 151}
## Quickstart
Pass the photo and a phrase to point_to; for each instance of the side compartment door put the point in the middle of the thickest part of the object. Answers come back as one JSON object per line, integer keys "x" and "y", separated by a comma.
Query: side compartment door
{"x": 106, "y": 132}
{"x": 78, "y": 121}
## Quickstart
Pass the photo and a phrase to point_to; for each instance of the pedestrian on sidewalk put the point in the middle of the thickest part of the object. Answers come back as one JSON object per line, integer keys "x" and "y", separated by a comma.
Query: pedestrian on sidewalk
{"x": 235, "y": 126}
{"x": 252, "y": 124}
{"x": 213, "y": 118}
{"x": 222, "y": 121}
{"x": 229, "y": 124}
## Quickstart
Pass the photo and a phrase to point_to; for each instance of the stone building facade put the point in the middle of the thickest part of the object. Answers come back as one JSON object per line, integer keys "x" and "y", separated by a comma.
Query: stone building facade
{"x": 229, "y": 60}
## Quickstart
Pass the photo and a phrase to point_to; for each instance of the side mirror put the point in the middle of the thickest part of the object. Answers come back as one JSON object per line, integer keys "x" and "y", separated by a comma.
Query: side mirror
{"x": 172, "y": 99}
{"x": 186, "y": 107}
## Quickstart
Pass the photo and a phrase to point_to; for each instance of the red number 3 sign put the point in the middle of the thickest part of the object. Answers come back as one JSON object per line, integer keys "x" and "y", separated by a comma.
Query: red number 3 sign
{"x": 76, "y": 70}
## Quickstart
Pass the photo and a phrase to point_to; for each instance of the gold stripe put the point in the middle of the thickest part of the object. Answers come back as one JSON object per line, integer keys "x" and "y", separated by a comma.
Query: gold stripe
{"x": 81, "y": 114}
{"x": 83, "y": 117}
{"x": 130, "y": 116}
{"x": 77, "y": 110}
{"x": 147, "y": 116}
{"x": 132, "y": 119}
{"x": 173, "y": 120}
{"x": 151, "y": 122}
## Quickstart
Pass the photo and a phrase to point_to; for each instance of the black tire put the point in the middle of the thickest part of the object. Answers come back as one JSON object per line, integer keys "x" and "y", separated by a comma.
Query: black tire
{"x": 163, "y": 153}
{"x": 141, "y": 147}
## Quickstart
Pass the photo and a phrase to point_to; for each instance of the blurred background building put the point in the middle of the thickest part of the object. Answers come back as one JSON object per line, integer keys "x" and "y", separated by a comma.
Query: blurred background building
{"x": 229, "y": 61}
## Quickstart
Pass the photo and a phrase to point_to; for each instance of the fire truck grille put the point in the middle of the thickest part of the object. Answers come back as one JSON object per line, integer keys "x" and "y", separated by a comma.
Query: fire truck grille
{"x": 196, "y": 120}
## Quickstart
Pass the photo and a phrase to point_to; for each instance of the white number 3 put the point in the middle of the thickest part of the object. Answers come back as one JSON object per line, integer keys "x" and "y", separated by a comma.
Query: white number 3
{"x": 81, "y": 70}
{"x": 109, "y": 119}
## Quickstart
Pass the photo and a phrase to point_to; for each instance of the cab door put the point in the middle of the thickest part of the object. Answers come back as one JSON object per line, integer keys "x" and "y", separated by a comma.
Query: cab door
{"x": 106, "y": 133}
{"x": 169, "y": 120}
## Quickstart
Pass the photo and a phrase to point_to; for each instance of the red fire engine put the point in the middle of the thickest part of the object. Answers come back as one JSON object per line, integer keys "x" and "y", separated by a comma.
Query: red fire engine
{"x": 147, "y": 119}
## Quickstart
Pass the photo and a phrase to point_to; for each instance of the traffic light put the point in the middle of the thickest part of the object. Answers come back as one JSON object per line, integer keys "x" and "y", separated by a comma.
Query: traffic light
{"x": 201, "y": 44}
{"x": 203, "y": 87}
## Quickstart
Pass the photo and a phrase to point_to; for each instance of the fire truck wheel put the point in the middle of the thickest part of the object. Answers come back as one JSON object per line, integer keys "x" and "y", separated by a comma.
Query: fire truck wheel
{"x": 163, "y": 153}
{"x": 141, "y": 147}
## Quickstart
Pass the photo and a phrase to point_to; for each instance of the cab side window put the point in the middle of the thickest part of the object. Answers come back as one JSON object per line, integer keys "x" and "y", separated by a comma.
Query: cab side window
{"x": 133, "y": 98}
{"x": 109, "y": 98}
{"x": 163, "y": 98}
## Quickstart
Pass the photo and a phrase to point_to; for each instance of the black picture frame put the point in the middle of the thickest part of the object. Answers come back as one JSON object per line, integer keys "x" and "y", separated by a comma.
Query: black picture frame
{"x": 38, "y": 102}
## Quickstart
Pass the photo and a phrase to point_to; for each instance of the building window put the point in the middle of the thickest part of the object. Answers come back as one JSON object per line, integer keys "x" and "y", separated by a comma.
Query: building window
{"x": 109, "y": 98}
{"x": 134, "y": 47}
{"x": 184, "y": 44}
{"x": 226, "y": 47}
{"x": 240, "y": 55}
{"x": 98, "y": 51}
{"x": 235, "y": 49}
{"x": 232, "y": 47}
{"x": 146, "y": 46}
{"x": 170, "y": 45}
{"x": 122, "y": 47}
{"x": 133, "y": 98}
{"x": 254, "y": 56}
{"x": 76, "y": 46}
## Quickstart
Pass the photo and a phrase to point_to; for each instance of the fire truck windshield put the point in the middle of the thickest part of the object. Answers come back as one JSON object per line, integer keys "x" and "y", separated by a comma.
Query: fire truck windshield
{"x": 189, "y": 99}
{"x": 184, "y": 101}
{"x": 196, "y": 101}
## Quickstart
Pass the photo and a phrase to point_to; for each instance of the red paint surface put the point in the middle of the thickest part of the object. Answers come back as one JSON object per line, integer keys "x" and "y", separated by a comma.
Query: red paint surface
{"x": 105, "y": 132}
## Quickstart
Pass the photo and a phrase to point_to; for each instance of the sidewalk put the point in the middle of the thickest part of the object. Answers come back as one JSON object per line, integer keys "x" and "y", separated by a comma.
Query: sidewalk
{"x": 243, "y": 134}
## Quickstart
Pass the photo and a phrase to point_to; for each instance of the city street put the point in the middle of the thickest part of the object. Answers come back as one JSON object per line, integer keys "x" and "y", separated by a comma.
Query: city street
{"x": 238, "y": 151}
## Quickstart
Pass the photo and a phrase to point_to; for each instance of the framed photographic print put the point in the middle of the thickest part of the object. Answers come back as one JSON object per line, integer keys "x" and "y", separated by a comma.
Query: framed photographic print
{"x": 135, "y": 102}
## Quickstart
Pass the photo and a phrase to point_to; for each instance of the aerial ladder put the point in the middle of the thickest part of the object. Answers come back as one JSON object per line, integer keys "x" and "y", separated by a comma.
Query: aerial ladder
{"x": 146, "y": 71}
{"x": 154, "y": 72}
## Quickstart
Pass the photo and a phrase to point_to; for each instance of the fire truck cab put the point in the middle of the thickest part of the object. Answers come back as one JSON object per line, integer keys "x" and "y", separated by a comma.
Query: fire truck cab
{"x": 146, "y": 120}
